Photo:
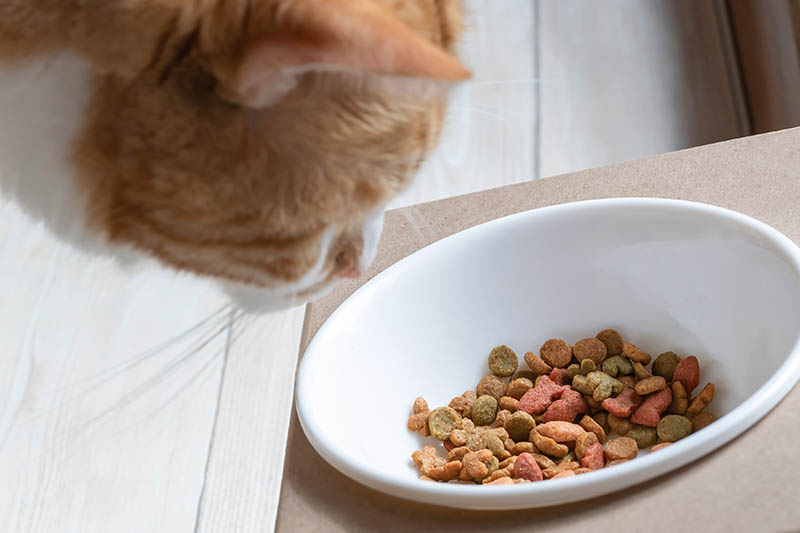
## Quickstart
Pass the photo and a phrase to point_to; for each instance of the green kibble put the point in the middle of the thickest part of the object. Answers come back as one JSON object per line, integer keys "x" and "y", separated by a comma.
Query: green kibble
{"x": 617, "y": 366}
{"x": 573, "y": 370}
{"x": 596, "y": 378}
{"x": 580, "y": 384}
{"x": 584, "y": 368}
{"x": 665, "y": 364}
{"x": 493, "y": 464}
{"x": 602, "y": 419}
{"x": 519, "y": 426}
{"x": 484, "y": 410}
{"x": 602, "y": 392}
{"x": 442, "y": 421}
{"x": 674, "y": 427}
{"x": 643, "y": 435}
{"x": 503, "y": 361}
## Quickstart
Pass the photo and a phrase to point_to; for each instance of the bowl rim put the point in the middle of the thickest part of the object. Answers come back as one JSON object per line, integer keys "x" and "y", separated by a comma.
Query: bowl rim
{"x": 567, "y": 490}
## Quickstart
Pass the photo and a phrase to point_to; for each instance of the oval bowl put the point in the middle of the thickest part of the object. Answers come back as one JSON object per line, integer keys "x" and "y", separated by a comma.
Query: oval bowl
{"x": 668, "y": 274}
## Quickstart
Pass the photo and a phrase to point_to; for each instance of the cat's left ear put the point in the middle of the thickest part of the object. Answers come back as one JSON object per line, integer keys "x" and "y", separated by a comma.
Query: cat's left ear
{"x": 335, "y": 35}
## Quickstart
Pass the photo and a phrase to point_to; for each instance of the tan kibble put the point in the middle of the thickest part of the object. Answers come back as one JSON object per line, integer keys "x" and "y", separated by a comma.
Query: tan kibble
{"x": 590, "y": 348}
{"x": 491, "y": 385}
{"x": 635, "y": 354}
{"x": 435, "y": 467}
{"x": 590, "y": 424}
{"x": 602, "y": 419}
{"x": 458, "y": 453}
{"x": 616, "y": 462}
{"x": 518, "y": 387}
{"x": 508, "y": 403}
{"x": 550, "y": 473}
{"x": 702, "y": 400}
{"x": 508, "y": 463}
{"x": 659, "y": 446}
{"x": 620, "y": 426}
{"x": 442, "y": 421}
{"x": 418, "y": 421}
{"x": 463, "y": 404}
{"x": 478, "y": 465}
{"x": 556, "y": 353}
{"x": 650, "y": 385}
{"x": 502, "y": 417}
{"x": 582, "y": 470}
{"x": 621, "y": 448}
{"x": 612, "y": 341}
{"x": 497, "y": 474}
{"x": 547, "y": 445}
{"x": 523, "y": 447}
{"x": 565, "y": 473}
{"x": 505, "y": 480}
{"x": 537, "y": 364}
{"x": 583, "y": 442}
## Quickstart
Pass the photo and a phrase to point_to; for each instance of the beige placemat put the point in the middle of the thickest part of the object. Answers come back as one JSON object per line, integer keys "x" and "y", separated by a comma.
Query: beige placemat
{"x": 752, "y": 484}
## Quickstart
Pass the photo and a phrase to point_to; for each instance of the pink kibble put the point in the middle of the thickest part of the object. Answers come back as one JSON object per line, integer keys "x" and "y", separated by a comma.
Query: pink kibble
{"x": 505, "y": 480}
{"x": 565, "y": 473}
{"x": 688, "y": 373}
{"x": 526, "y": 467}
{"x": 593, "y": 457}
{"x": 559, "y": 376}
{"x": 567, "y": 408}
{"x": 649, "y": 413}
{"x": 539, "y": 398}
{"x": 622, "y": 406}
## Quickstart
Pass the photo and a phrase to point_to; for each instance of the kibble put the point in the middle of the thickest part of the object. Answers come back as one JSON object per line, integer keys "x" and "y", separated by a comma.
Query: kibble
{"x": 556, "y": 353}
{"x": 503, "y": 361}
{"x": 665, "y": 364}
{"x": 590, "y": 348}
{"x": 674, "y": 427}
{"x": 491, "y": 385}
{"x": 562, "y": 417}
{"x": 519, "y": 425}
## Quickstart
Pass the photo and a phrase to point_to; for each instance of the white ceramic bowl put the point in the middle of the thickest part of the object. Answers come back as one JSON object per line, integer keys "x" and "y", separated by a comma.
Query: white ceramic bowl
{"x": 669, "y": 275}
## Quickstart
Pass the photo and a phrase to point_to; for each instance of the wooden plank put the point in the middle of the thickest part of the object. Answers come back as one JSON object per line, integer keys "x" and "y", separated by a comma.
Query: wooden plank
{"x": 770, "y": 60}
{"x": 631, "y": 79}
{"x": 92, "y": 437}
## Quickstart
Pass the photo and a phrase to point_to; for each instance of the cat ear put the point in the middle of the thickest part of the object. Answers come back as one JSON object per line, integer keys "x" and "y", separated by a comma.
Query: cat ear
{"x": 336, "y": 35}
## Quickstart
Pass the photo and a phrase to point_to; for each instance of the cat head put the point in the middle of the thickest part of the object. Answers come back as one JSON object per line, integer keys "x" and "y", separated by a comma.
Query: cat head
{"x": 258, "y": 142}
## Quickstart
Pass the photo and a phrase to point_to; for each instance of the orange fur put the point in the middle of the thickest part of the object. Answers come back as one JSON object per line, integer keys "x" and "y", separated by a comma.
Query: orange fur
{"x": 178, "y": 159}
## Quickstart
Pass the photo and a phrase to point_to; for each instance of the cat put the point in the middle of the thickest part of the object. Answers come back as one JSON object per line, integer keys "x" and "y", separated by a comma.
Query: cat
{"x": 256, "y": 142}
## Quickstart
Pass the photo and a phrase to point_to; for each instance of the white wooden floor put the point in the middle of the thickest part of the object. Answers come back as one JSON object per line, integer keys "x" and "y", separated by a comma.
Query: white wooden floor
{"x": 101, "y": 432}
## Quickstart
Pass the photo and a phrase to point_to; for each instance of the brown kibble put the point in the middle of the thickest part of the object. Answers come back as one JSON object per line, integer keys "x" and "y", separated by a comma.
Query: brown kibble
{"x": 536, "y": 364}
{"x": 590, "y": 348}
{"x": 527, "y": 374}
{"x": 602, "y": 419}
{"x": 583, "y": 442}
{"x": 629, "y": 381}
{"x": 463, "y": 404}
{"x": 491, "y": 385}
{"x": 659, "y": 446}
{"x": 702, "y": 400}
{"x": 518, "y": 387}
{"x": 612, "y": 341}
{"x": 502, "y": 417}
{"x": 635, "y": 354}
{"x": 701, "y": 420}
{"x": 566, "y": 466}
{"x": 508, "y": 463}
{"x": 418, "y": 421}
{"x": 560, "y": 431}
{"x": 680, "y": 401}
{"x": 509, "y": 404}
{"x": 523, "y": 447}
{"x": 640, "y": 371}
{"x": 547, "y": 445}
{"x": 456, "y": 454}
{"x": 555, "y": 353}
{"x": 650, "y": 385}
{"x": 590, "y": 424}
{"x": 621, "y": 448}
{"x": 543, "y": 461}
{"x": 620, "y": 426}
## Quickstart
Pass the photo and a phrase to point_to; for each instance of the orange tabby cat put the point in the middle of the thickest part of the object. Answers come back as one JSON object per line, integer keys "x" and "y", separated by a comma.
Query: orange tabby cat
{"x": 255, "y": 141}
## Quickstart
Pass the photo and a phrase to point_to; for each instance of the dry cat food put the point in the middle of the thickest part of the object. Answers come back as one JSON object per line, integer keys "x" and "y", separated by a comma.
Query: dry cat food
{"x": 579, "y": 408}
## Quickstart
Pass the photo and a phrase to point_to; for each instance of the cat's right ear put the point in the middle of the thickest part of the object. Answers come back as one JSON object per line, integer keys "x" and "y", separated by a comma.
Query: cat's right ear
{"x": 334, "y": 35}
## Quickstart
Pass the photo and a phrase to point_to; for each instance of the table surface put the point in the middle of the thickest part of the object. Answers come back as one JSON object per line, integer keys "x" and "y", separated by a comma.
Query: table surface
{"x": 749, "y": 484}
{"x": 104, "y": 426}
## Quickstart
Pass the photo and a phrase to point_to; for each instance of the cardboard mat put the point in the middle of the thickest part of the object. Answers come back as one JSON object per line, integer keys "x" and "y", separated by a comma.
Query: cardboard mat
{"x": 751, "y": 484}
